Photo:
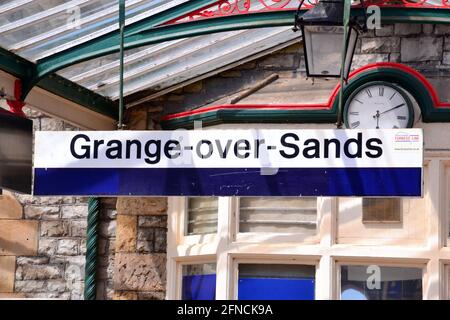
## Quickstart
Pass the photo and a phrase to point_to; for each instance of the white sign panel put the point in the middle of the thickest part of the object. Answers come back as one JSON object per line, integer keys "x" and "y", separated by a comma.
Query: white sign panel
{"x": 213, "y": 161}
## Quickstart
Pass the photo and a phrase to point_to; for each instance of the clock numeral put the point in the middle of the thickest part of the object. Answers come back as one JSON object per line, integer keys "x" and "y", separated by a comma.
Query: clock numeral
{"x": 401, "y": 117}
{"x": 393, "y": 96}
{"x": 369, "y": 93}
{"x": 358, "y": 101}
{"x": 381, "y": 91}
{"x": 355, "y": 124}
{"x": 354, "y": 113}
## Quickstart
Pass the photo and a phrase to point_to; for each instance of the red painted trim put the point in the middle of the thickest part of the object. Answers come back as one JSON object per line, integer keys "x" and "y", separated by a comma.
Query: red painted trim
{"x": 324, "y": 106}
{"x": 437, "y": 101}
{"x": 215, "y": 10}
{"x": 16, "y": 105}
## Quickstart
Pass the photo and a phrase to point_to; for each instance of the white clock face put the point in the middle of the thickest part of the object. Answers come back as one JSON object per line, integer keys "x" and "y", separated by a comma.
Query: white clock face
{"x": 378, "y": 106}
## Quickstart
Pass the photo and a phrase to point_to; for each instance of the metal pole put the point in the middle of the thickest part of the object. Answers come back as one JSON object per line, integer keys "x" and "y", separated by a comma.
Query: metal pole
{"x": 120, "y": 126}
{"x": 346, "y": 20}
{"x": 90, "y": 278}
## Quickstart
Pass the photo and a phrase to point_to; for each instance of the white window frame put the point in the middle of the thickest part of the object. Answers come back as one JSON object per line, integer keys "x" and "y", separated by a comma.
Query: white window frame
{"x": 227, "y": 246}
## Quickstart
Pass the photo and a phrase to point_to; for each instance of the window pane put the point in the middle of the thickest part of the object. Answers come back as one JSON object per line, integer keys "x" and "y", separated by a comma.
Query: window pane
{"x": 202, "y": 215}
{"x": 199, "y": 282}
{"x": 278, "y": 214}
{"x": 381, "y": 210}
{"x": 276, "y": 282}
{"x": 380, "y": 283}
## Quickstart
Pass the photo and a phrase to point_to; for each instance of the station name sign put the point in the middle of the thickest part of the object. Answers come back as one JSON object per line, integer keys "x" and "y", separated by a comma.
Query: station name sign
{"x": 252, "y": 162}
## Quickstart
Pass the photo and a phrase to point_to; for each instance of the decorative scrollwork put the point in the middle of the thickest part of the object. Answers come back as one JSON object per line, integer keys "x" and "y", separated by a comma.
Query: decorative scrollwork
{"x": 232, "y": 7}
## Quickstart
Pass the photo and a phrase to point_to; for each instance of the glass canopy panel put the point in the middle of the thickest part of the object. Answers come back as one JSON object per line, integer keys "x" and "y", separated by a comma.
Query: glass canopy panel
{"x": 165, "y": 65}
{"x": 41, "y": 28}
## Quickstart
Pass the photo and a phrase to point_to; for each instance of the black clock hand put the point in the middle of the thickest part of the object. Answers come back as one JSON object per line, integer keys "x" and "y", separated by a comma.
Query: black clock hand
{"x": 378, "y": 120}
{"x": 377, "y": 116}
{"x": 399, "y": 106}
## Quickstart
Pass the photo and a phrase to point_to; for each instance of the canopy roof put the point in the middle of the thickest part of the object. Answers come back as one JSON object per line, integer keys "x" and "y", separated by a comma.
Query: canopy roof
{"x": 169, "y": 43}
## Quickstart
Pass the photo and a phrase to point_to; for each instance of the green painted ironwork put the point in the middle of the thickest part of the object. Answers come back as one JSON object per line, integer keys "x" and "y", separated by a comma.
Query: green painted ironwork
{"x": 120, "y": 125}
{"x": 23, "y": 69}
{"x": 90, "y": 288}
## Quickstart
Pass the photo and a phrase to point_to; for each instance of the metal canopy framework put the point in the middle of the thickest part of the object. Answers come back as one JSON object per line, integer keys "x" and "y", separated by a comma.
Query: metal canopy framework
{"x": 70, "y": 47}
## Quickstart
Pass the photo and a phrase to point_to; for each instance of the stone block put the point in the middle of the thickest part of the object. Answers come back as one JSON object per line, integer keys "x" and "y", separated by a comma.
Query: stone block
{"x": 28, "y": 286}
{"x": 125, "y": 295}
{"x": 67, "y": 247}
{"x": 428, "y": 29}
{"x": 145, "y": 246}
{"x": 446, "y": 59}
{"x": 7, "y": 271}
{"x": 126, "y": 233}
{"x": 50, "y": 124}
{"x": 58, "y": 286}
{"x": 361, "y": 60}
{"x": 385, "y": 31}
{"x": 32, "y": 260}
{"x": 74, "y": 212}
{"x": 48, "y": 246}
{"x": 39, "y": 272}
{"x": 407, "y": 29}
{"x": 18, "y": 237}
{"x": 442, "y": 29}
{"x": 160, "y": 240}
{"x": 42, "y": 212}
{"x": 74, "y": 273}
{"x": 156, "y": 295}
{"x": 54, "y": 229}
{"x": 78, "y": 228}
{"x": 421, "y": 49}
{"x": 145, "y": 206}
{"x": 380, "y": 45}
{"x": 136, "y": 272}
{"x": 153, "y": 221}
{"x": 278, "y": 61}
{"x": 12, "y": 296}
{"x": 10, "y": 208}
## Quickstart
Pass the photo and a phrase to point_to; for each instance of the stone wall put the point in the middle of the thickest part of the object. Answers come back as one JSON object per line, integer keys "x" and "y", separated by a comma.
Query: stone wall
{"x": 42, "y": 239}
{"x": 140, "y": 259}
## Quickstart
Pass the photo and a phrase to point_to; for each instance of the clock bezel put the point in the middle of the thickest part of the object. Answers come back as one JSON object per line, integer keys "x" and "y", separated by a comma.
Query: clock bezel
{"x": 394, "y": 86}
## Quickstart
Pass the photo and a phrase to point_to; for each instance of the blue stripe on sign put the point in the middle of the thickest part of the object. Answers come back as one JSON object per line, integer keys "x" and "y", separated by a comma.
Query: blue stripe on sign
{"x": 381, "y": 182}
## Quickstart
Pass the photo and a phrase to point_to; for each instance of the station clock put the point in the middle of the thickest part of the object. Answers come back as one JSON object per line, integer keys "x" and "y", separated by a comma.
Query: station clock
{"x": 379, "y": 105}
